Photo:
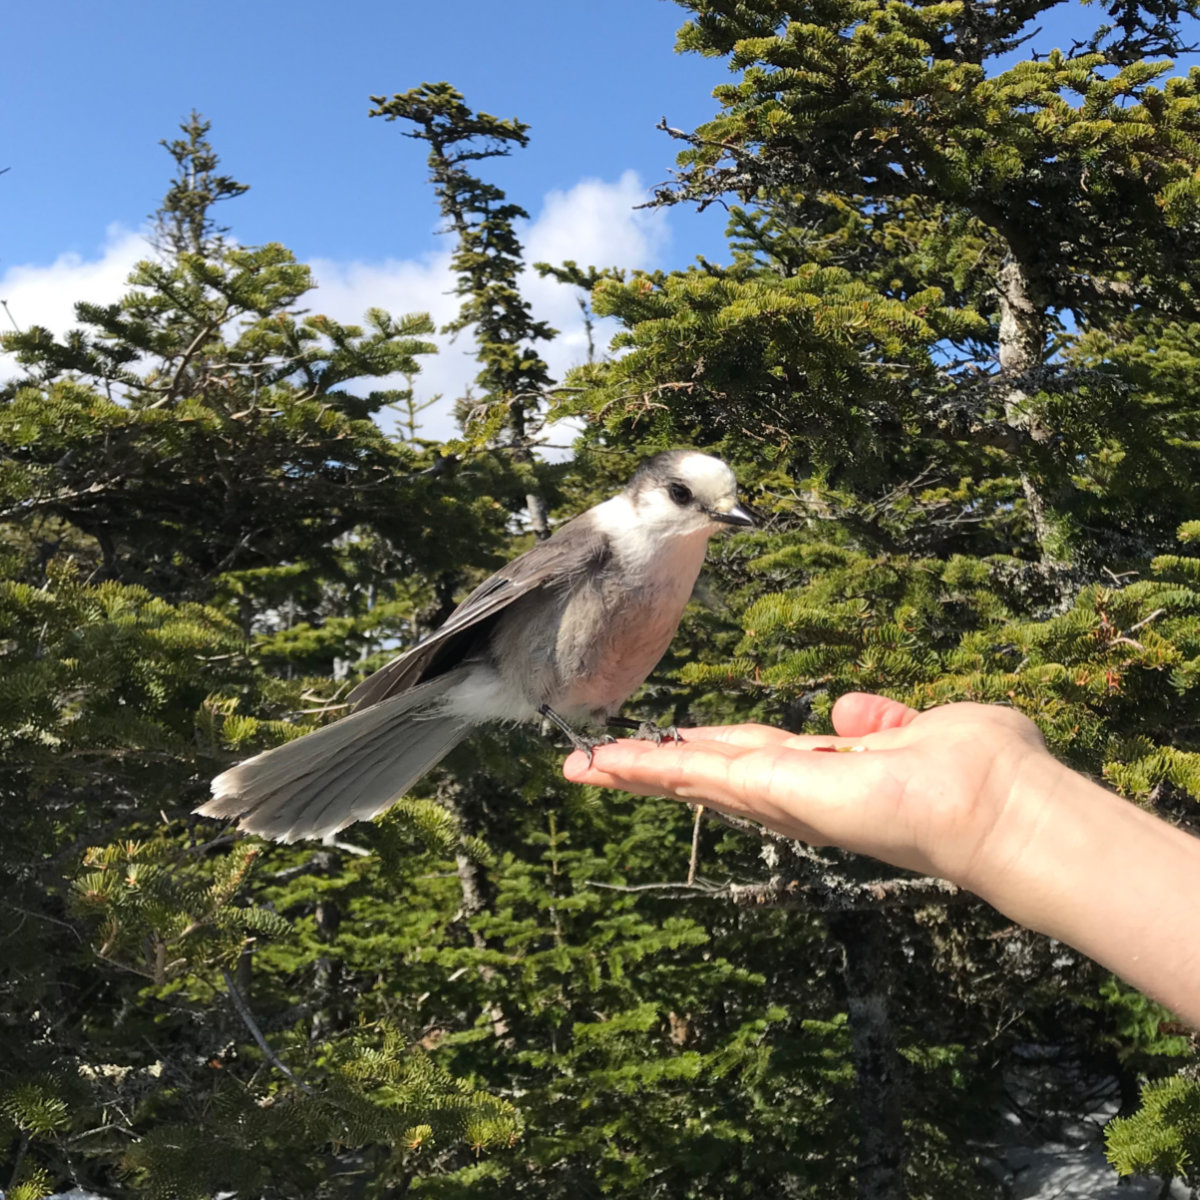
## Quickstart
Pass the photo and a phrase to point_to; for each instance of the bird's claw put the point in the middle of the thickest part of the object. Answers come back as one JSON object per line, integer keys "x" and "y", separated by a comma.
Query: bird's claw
{"x": 647, "y": 731}
{"x": 579, "y": 741}
{"x": 588, "y": 745}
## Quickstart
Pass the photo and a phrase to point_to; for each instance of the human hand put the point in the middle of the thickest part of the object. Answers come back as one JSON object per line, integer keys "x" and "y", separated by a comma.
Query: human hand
{"x": 936, "y": 792}
{"x": 967, "y": 792}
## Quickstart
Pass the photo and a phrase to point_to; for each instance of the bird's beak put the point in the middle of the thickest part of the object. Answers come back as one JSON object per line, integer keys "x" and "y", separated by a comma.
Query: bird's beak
{"x": 737, "y": 515}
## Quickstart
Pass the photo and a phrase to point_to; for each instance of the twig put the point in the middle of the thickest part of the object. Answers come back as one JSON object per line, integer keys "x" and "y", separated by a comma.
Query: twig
{"x": 748, "y": 827}
{"x": 349, "y": 847}
{"x": 700, "y": 890}
{"x": 694, "y": 860}
{"x": 22, "y": 1150}
{"x": 37, "y": 916}
{"x": 207, "y": 331}
{"x": 224, "y": 839}
{"x": 1119, "y": 579}
{"x": 75, "y": 1137}
{"x": 1158, "y": 612}
{"x": 243, "y": 1011}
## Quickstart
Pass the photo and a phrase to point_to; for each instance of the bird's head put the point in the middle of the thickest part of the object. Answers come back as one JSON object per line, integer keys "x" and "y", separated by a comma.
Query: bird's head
{"x": 684, "y": 491}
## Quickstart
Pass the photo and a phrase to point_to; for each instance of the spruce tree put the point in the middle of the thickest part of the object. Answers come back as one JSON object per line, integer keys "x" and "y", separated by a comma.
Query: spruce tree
{"x": 199, "y": 521}
{"x": 934, "y": 354}
{"x": 514, "y": 381}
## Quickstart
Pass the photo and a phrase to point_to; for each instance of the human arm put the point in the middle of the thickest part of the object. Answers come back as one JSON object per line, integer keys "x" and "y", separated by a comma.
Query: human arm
{"x": 967, "y": 792}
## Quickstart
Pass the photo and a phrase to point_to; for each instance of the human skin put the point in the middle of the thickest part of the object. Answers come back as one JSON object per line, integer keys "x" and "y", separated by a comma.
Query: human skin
{"x": 966, "y": 792}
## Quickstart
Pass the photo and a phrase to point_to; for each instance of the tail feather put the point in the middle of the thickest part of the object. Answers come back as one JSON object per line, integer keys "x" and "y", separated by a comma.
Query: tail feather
{"x": 288, "y": 787}
{"x": 348, "y": 771}
{"x": 382, "y": 773}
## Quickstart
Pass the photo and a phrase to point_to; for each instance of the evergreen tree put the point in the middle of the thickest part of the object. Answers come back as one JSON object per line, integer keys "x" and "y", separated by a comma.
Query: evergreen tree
{"x": 513, "y": 379}
{"x": 934, "y": 353}
{"x": 198, "y": 517}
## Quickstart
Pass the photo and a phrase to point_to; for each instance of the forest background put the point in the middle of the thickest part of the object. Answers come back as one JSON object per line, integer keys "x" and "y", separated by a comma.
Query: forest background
{"x": 950, "y": 348}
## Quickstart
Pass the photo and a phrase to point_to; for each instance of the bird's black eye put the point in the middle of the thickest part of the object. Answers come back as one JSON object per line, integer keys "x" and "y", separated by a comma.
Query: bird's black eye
{"x": 680, "y": 494}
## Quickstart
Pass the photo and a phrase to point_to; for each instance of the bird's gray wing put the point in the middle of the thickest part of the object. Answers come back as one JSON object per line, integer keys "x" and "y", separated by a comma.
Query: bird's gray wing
{"x": 574, "y": 551}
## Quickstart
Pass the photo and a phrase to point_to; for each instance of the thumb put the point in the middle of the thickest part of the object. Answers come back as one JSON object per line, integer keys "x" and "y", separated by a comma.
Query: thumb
{"x": 858, "y": 713}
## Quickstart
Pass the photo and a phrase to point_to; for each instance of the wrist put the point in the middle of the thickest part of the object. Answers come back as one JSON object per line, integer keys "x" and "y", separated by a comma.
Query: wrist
{"x": 1036, "y": 838}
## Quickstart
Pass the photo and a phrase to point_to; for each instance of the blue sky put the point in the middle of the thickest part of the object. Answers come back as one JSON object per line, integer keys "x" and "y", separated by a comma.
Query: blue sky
{"x": 94, "y": 87}
{"x": 89, "y": 89}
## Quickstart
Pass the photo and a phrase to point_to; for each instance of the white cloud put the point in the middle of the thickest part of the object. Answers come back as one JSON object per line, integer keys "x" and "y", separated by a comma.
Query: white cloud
{"x": 595, "y": 223}
{"x": 46, "y": 295}
{"x": 345, "y": 290}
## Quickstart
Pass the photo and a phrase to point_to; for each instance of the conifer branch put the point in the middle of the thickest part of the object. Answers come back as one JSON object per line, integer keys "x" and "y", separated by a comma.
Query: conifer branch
{"x": 206, "y": 331}
{"x": 748, "y": 827}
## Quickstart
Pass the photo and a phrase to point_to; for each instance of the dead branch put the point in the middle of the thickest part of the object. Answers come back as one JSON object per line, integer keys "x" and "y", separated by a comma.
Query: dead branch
{"x": 243, "y": 1011}
{"x": 826, "y": 895}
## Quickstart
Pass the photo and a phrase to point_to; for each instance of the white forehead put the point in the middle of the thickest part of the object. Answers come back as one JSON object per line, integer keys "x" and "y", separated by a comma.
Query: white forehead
{"x": 705, "y": 473}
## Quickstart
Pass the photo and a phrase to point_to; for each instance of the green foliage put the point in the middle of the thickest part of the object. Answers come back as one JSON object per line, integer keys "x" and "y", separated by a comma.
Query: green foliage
{"x": 1163, "y": 1137}
{"x": 374, "y": 1094}
{"x": 504, "y": 986}
{"x": 196, "y": 511}
{"x": 904, "y": 211}
{"x": 1142, "y": 1026}
{"x": 160, "y": 919}
{"x": 1077, "y": 151}
{"x": 35, "y": 1108}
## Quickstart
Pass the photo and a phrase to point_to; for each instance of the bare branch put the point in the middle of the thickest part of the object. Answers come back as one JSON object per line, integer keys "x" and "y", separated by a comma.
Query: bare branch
{"x": 243, "y": 1011}
{"x": 826, "y": 895}
{"x": 206, "y": 331}
{"x": 694, "y": 861}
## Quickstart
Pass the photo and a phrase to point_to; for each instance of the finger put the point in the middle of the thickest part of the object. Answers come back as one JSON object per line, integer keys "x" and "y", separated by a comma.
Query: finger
{"x": 820, "y": 798}
{"x": 703, "y": 771}
{"x": 679, "y": 769}
{"x": 745, "y": 736}
{"x": 857, "y": 714}
{"x": 737, "y": 735}
{"x": 738, "y": 777}
{"x": 752, "y": 737}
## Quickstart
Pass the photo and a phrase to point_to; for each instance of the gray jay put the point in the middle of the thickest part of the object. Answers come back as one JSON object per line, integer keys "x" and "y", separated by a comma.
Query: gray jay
{"x": 566, "y": 631}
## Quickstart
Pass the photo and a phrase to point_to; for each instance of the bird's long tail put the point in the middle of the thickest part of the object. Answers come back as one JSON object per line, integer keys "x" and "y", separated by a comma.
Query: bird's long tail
{"x": 348, "y": 771}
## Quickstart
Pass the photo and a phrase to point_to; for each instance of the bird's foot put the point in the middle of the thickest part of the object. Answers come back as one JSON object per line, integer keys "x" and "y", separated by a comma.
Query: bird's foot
{"x": 588, "y": 744}
{"x": 648, "y": 731}
{"x": 579, "y": 741}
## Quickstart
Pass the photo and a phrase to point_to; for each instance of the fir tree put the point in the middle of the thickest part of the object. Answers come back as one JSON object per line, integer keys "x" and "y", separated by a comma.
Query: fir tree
{"x": 969, "y": 496}
{"x": 513, "y": 379}
{"x": 198, "y": 513}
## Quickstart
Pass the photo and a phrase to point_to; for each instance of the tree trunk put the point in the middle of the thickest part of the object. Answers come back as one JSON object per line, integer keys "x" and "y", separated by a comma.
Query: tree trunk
{"x": 478, "y": 894}
{"x": 877, "y": 1065}
{"x": 1022, "y": 348}
{"x": 535, "y": 503}
{"x": 327, "y": 971}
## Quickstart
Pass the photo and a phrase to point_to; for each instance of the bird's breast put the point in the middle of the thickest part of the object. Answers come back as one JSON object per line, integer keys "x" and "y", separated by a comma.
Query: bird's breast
{"x": 613, "y": 633}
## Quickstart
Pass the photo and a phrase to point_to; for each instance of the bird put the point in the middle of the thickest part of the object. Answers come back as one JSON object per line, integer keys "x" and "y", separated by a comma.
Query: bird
{"x": 565, "y": 632}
